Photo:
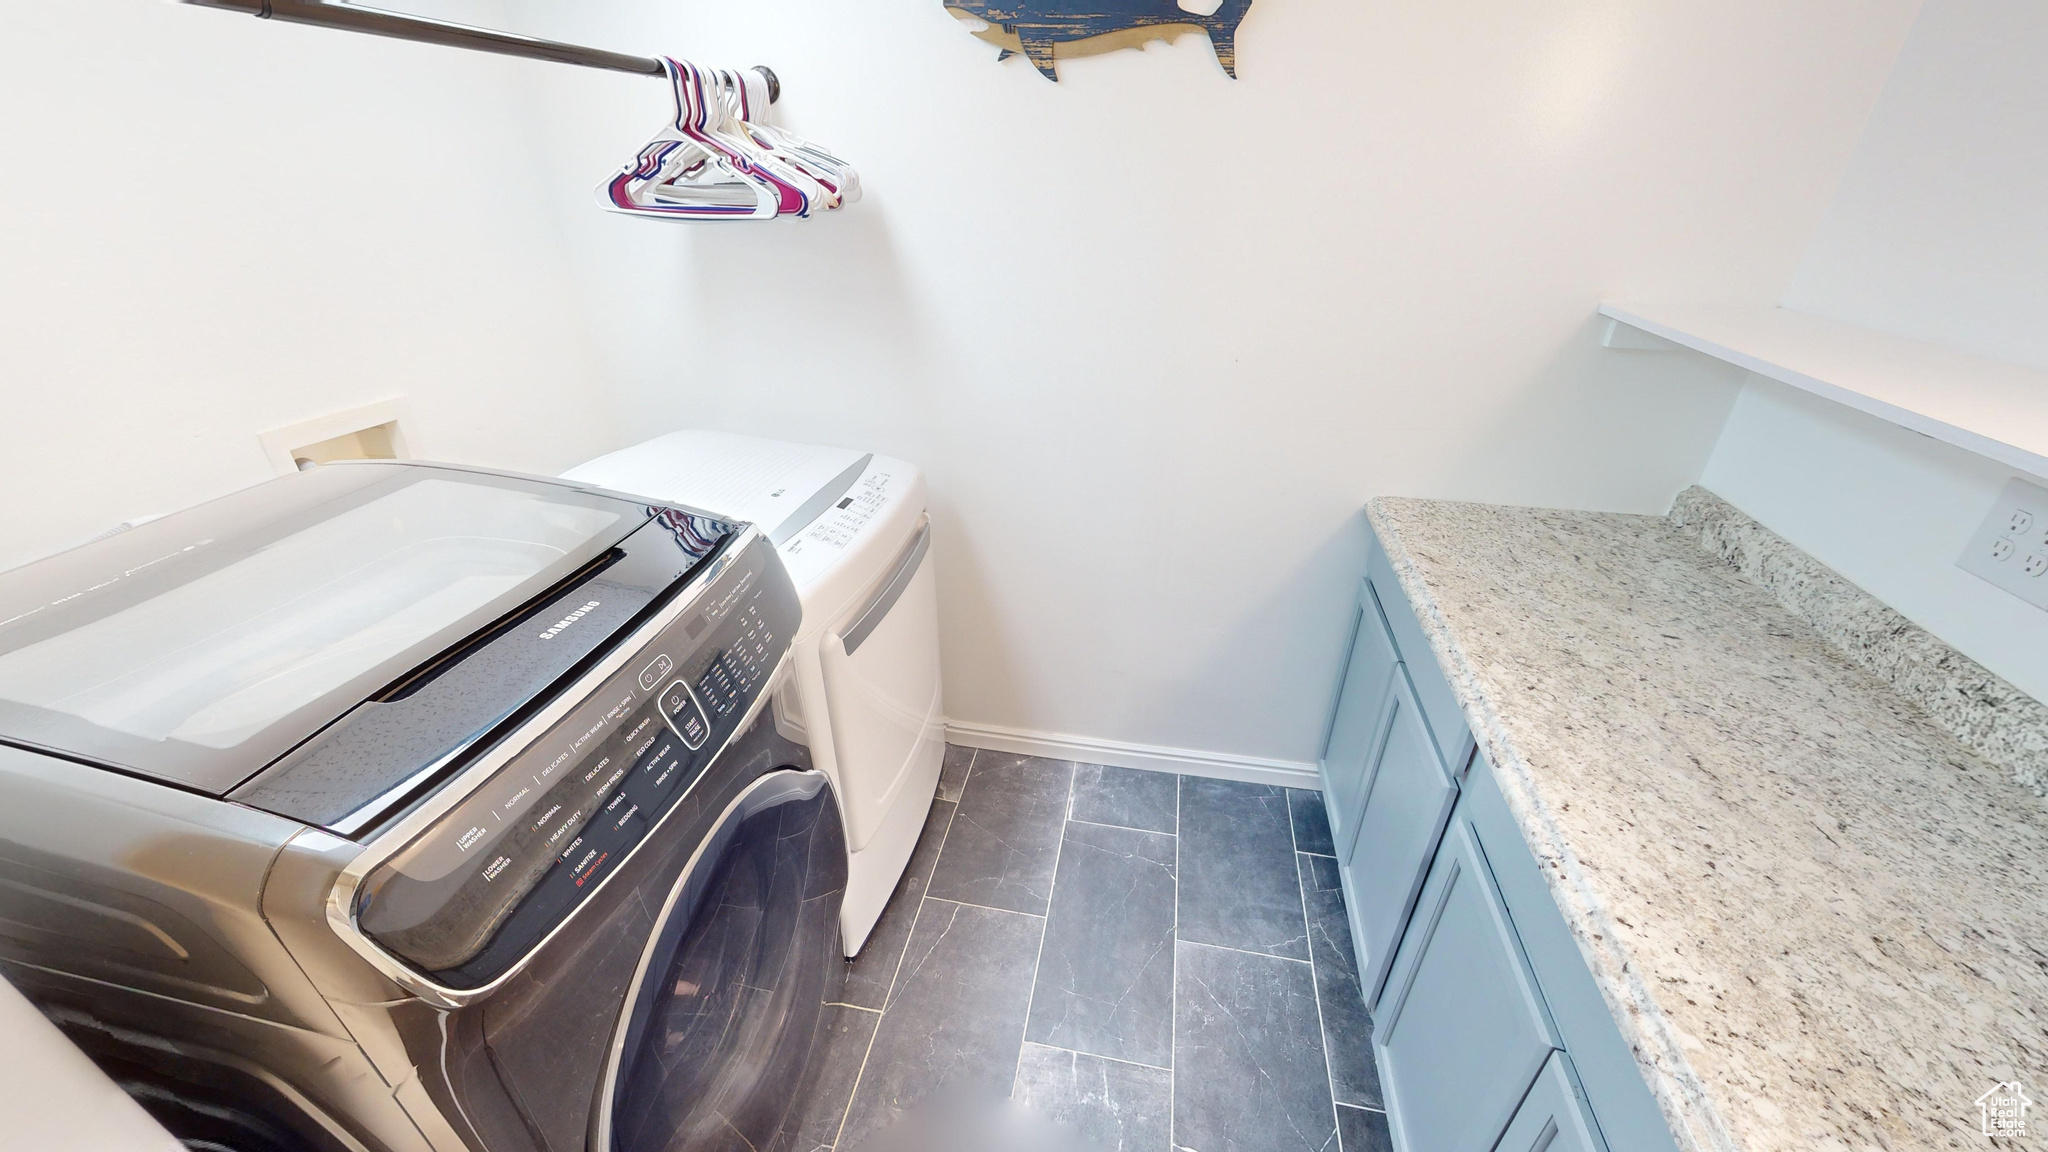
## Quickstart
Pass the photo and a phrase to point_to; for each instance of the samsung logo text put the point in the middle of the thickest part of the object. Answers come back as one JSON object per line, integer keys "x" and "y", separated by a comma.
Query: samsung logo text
{"x": 562, "y": 625}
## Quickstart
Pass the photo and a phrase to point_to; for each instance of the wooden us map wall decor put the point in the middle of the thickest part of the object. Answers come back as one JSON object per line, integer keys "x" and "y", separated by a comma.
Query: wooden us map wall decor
{"x": 1045, "y": 30}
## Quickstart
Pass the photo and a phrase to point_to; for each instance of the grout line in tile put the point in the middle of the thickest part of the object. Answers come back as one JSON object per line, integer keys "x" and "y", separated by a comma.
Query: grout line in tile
{"x": 1097, "y": 1056}
{"x": 937, "y": 858}
{"x": 1044, "y": 929}
{"x": 1315, "y": 984}
{"x": 1324, "y": 855}
{"x": 1123, "y": 827}
{"x": 1241, "y": 951}
{"x": 1173, "y": 1001}
{"x": 1363, "y": 1108}
{"x": 889, "y": 993}
{"x": 846, "y": 1114}
{"x": 983, "y": 907}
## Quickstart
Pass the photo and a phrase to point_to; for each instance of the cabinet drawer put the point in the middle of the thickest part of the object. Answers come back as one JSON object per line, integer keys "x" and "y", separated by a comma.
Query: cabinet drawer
{"x": 1352, "y": 733}
{"x": 1553, "y": 1116}
{"x": 1459, "y": 1029}
{"x": 1432, "y": 689}
{"x": 1387, "y": 847}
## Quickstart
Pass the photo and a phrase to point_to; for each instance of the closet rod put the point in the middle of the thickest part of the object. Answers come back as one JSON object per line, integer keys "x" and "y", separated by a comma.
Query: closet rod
{"x": 350, "y": 18}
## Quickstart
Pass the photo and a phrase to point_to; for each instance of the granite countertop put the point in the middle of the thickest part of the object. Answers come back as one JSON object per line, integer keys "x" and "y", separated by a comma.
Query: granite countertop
{"x": 1820, "y": 920}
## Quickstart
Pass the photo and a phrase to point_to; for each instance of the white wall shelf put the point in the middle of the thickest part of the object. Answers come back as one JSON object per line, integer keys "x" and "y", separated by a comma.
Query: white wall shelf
{"x": 1994, "y": 409}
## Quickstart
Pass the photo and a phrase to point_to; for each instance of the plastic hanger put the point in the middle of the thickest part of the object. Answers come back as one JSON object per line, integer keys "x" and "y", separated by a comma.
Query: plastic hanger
{"x": 747, "y": 99}
{"x": 818, "y": 190}
{"x": 684, "y": 173}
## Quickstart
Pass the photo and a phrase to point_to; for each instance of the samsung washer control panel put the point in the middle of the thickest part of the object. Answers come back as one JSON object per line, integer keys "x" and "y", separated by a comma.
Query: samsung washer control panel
{"x": 493, "y": 876}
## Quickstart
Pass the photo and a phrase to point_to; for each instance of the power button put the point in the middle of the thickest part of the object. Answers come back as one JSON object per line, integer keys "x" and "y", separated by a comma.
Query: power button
{"x": 685, "y": 715}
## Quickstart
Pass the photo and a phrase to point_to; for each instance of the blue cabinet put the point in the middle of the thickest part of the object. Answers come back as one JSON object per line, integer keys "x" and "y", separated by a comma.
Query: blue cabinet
{"x": 1460, "y": 1028}
{"x": 1490, "y": 1031}
{"x": 1349, "y": 744}
{"x": 1553, "y": 1115}
{"x": 1407, "y": 799}
{"x": 1604, "y": 1068}
{"x": 1445, "y": 717}
{"x": 1386, "y": 787}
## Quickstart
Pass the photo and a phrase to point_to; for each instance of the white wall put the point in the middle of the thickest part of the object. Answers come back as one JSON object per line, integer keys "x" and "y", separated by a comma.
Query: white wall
{"x": 211, "y": 226}
{"x": 1940, "y": 232}
{"x": 1940, "y": 229}
{"x": 1156, "y": 335}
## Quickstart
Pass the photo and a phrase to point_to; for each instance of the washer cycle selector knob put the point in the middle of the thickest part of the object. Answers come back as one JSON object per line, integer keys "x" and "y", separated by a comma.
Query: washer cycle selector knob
{"x": 685, "y": 715}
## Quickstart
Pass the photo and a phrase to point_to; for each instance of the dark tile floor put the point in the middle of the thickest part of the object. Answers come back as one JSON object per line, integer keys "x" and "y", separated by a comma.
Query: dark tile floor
{"x": 1159, "y": 961}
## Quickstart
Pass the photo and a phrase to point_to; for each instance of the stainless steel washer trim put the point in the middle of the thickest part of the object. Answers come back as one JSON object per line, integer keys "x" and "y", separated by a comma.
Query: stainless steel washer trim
{"x": 341, "y": 898}
{"x": 602, "y": 1115}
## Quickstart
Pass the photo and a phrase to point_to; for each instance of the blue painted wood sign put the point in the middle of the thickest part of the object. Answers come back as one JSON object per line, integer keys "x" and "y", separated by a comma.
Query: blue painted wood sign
{"x": 1045, "y": 30}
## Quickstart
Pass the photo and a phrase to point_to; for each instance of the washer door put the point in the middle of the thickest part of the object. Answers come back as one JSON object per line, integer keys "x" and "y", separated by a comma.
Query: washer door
{"x": 718, "y": 1033}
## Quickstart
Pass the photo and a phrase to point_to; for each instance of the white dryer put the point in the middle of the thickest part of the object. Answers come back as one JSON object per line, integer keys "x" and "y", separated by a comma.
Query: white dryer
{"x": 864, "y": 690}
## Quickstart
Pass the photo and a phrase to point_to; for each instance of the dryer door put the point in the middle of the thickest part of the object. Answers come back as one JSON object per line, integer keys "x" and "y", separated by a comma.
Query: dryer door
{"x": 881, "y": 672}
{"x": 727, "y": 1005}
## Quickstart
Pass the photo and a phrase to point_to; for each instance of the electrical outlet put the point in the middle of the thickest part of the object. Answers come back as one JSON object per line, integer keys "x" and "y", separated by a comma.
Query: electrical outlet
{"x": 2010, "y": 548}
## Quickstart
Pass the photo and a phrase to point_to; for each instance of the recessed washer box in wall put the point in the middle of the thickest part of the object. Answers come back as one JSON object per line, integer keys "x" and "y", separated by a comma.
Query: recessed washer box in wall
{"x": 2010, "y": 548}
{"x": 380, "y": 430}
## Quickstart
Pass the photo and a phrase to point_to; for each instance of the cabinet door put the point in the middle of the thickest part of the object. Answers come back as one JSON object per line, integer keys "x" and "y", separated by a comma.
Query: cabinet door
{"x": 1439, "y": 703}
{"x": 1349, "y": 742}
{"x": 1553, "y": 1116}
{"x": 1459, "y": 1029}
{"x": 1387, "y": 847}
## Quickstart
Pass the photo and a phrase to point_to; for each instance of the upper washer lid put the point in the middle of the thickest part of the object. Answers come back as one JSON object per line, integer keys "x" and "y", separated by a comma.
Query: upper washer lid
{"x": 780, "y": 486}
{"x": 199, "y": 647}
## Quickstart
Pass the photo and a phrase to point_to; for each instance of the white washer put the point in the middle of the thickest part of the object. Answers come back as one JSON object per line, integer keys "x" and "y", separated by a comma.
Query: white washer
{"x": 864, "y": 693}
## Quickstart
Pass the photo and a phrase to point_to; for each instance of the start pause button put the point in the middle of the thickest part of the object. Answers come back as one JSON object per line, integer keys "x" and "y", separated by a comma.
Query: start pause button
{"x": 685, "y": 715}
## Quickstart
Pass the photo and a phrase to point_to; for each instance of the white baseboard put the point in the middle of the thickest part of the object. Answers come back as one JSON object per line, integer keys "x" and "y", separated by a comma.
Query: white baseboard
{"x": 1150, "y": 757}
